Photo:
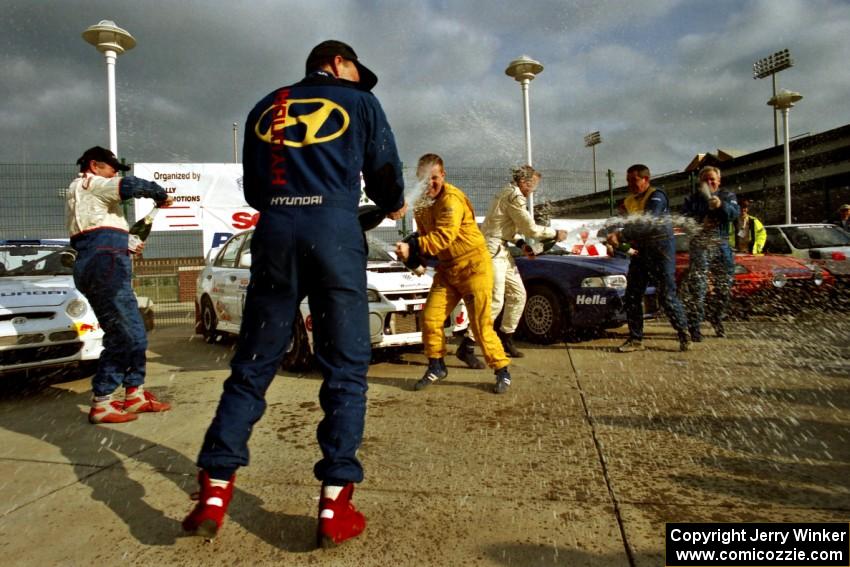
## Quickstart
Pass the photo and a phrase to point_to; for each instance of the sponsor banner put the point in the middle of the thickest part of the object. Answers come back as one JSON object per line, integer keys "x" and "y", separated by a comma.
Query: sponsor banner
{"x": 207, "y": 197}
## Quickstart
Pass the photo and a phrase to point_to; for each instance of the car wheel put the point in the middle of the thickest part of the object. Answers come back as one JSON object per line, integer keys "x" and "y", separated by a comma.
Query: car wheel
{"x": 148, "y": 318}
{"x": 545, "y": 316}
{"x": 209, "y": 321}
{"x": 298, "y": 357}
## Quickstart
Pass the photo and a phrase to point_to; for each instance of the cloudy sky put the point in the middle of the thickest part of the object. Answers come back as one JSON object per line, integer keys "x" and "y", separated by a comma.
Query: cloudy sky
{"x": 661, "y": 80}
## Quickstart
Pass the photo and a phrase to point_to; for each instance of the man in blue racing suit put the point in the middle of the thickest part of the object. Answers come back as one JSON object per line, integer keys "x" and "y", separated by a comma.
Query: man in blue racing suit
{"x": 305, "y": 146}
{"x": 652, "y": 249}
{"x": 711, "y": 257}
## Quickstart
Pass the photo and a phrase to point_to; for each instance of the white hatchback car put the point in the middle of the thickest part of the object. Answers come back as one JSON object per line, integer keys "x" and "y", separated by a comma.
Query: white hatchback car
{"x": 808, "y": 241}
{"x": 396, "y": 299}
{"x": 825, "y": 245}
{"x": 44, "y": 320}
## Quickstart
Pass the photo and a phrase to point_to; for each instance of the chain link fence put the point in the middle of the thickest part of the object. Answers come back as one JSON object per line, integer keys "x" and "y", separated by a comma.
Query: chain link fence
{"x": 34, "y": 208}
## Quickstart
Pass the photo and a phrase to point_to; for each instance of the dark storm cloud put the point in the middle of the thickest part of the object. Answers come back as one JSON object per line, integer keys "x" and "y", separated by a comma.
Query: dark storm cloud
{"x": 661, "y": 80}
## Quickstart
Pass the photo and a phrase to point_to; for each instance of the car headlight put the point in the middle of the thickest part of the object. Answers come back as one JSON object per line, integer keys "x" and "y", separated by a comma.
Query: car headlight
{"x": 779, "y": 279}
{"x": 617, "y": 281}
{"x": 373, "y": 296}
{"x": 817, "y": 277}
{"x": 76, "y": 308}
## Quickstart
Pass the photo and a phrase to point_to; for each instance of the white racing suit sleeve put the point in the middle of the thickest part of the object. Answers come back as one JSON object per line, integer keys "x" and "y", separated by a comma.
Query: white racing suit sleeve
{"x": 517, "y": 210}
{"x": 94, "y": 202}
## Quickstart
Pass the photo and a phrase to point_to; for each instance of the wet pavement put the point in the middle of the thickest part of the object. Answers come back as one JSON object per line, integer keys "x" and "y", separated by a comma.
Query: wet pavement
{"x": 581, "y": 463}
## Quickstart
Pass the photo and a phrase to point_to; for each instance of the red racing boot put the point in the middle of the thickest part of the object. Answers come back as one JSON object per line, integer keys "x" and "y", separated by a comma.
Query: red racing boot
{"x": 137, "y": 400}
{"x": 206, "y": 519}
{"x": 338, "y": 519}
{"x": 106, "y": 409}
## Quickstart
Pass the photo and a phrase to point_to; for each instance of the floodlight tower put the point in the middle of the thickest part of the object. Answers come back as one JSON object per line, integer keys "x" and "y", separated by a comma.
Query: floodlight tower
{"x": 769, "y": 67}
{"x": 590, "y": 141}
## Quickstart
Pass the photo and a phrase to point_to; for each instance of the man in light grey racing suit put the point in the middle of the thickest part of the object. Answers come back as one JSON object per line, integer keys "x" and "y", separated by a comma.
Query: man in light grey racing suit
{"x": 506, "y": 218}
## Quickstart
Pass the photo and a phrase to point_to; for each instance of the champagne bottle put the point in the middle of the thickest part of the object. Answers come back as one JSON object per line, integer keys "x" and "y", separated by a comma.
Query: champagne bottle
{"x": 534, "y": 247}
{"x": 140, "y": 231}
{"x": 370, "y": 216}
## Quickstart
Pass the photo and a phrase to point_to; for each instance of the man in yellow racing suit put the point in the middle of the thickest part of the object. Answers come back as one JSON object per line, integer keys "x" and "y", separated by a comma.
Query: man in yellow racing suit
{"x": 447, "y": 230}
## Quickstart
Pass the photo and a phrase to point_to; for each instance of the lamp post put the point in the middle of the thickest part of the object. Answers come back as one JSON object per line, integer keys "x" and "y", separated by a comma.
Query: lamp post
{"x": 112, "y": 41}
{"x": 590, "y": 141}
{"x": 784, "y": 101}
{"x": 523, "y": 70}
{"x": 769, "y": 67}
{"x": 235, "y": 142}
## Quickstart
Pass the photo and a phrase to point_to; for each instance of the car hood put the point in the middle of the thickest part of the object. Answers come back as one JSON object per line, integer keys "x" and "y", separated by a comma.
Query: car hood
{"x": 393, "y": 276}
{"x": 36, "y": 291}
{"x": 771, "y": 263}
{"x": 602, "y": 265}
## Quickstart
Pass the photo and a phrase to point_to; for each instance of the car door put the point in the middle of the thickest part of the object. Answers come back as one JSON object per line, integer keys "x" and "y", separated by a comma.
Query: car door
{"x": 225, "y": 285}
{"x": 776, "y": 242}
{"x": 242, "y": 271}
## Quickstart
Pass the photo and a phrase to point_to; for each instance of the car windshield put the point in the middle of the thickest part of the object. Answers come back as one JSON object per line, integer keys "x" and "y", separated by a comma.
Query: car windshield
{"x": 36, "y": 260}
{"x": 805, "y": 237}
{"x": 378, "y": 250}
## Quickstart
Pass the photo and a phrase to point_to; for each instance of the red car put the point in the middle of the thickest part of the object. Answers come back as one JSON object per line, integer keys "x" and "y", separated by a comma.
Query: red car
{"x": 768, "y": 282}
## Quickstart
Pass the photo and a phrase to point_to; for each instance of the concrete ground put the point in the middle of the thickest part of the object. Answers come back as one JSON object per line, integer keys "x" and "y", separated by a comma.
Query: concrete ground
{"x": 581, "y": 463}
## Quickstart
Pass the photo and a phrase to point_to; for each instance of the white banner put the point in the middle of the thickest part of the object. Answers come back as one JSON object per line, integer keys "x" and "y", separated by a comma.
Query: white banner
{"x": 207, "y": 197}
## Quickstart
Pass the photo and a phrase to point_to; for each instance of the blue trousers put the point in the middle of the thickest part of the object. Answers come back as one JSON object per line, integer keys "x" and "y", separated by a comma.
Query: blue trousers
{"x": 655, "y": 264}
{"x": 320, "y": 253}
{"x": 102, "y": 274}
{"x": 710, "y": 262}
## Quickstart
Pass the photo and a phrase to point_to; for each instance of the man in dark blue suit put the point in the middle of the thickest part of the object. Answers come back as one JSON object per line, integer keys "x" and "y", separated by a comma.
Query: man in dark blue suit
{"x": 647, "y": 237}
{"x": 305, "y": 146}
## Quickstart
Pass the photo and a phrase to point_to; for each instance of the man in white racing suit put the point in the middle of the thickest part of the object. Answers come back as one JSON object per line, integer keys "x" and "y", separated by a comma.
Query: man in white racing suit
{"x": 506, "y": 218}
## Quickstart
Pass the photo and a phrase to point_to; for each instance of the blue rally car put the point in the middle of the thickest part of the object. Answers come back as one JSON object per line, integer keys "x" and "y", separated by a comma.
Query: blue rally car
{"x": 569, "y": 293}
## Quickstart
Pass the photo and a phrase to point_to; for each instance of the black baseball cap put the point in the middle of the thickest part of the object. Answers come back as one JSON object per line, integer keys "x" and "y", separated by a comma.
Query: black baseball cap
{"x": 329, "y": 49}
{"x": 98, "y": 153}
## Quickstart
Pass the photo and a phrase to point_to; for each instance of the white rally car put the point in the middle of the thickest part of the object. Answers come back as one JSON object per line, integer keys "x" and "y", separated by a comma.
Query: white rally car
{"x": 44, "y": 320}
{"x": 396, "y": 299}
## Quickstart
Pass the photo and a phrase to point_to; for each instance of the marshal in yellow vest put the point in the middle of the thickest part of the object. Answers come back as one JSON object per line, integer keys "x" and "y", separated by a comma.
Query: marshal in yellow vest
{"x": 637, "y": 203}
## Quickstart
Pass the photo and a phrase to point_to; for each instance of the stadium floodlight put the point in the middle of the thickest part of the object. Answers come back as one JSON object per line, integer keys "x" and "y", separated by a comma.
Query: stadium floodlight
{"x": 768, "y": 67}
{"x": 112, "y": 41}
{"x": 590, "y": 141}
{"x": 523, "y": 70}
